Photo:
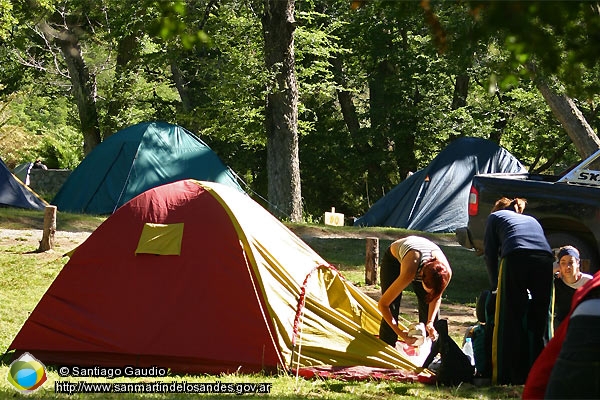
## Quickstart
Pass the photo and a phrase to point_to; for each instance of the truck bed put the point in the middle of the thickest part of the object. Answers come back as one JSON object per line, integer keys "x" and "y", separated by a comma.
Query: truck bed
{"x": 568, "y": 212}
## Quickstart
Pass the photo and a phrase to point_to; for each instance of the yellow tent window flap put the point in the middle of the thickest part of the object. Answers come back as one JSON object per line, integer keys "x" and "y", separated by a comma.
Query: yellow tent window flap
{"x": 161, "y": 239}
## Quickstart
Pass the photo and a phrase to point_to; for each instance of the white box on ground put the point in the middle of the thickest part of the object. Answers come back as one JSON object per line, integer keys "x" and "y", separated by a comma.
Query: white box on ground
{"x": 333, "y": 218}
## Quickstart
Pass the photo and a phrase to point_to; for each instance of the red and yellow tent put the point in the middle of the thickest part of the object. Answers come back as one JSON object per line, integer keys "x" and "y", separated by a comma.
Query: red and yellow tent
{"x": 197, "y": 277}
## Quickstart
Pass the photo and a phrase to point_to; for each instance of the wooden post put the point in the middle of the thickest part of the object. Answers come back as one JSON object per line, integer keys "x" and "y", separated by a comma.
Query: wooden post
{"x": 372, "y": 260}
{"x": 47, "y": 242}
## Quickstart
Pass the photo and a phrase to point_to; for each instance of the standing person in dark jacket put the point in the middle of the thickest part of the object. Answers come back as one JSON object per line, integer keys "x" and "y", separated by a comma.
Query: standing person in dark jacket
{"x": 520, "y": 263}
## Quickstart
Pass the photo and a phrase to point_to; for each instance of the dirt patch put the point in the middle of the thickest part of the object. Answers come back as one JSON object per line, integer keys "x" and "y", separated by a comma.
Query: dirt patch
{"x": 460, "y": 317}
{"x": 324, "y": 231}
{"x": 27, "y": 241}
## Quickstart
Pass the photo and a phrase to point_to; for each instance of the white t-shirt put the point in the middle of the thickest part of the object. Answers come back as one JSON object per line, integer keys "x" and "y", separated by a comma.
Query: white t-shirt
{"x": 580, "y": 282}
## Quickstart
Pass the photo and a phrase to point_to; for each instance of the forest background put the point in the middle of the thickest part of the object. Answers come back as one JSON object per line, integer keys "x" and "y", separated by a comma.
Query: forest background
{"x": 381, "y": 86}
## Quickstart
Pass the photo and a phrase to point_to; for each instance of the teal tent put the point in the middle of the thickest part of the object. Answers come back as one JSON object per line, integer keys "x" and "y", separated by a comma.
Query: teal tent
{"x": 136, "y": 159}
{"x": 14, "y": 193}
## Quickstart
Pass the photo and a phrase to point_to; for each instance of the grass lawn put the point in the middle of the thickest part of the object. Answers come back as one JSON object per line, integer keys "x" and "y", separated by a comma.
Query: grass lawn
{"x": 25, "y": 275}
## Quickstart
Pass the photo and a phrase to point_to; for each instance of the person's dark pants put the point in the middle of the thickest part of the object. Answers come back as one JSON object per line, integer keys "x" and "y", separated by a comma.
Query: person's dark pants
{"x": 577, "y": 368}
{"x": 520, "y": 321}
{"x": 388, "y": 273}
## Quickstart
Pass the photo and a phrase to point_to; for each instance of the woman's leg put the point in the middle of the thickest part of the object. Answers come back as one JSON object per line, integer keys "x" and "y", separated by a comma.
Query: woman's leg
{"x": 509, "y": 350}
{"x": 388, "y": 273}
{"x": 540, "y": 284}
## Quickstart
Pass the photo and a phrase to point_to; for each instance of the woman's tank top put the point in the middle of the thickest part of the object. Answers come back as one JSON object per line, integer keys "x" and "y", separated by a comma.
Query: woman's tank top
{"x": 420, "y": 244}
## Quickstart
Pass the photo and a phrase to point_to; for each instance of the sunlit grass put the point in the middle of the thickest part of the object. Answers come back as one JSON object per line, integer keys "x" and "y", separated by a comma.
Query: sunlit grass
{"x": 26, "y": 275}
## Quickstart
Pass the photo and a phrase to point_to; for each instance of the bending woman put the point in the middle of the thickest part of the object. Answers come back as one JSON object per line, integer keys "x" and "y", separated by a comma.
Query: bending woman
{"x": 420, "y": 261}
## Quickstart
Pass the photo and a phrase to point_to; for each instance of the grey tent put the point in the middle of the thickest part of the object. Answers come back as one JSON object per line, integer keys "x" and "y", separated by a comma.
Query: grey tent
{"x": 434, "y": 199}
{"x": 22, "y": 171}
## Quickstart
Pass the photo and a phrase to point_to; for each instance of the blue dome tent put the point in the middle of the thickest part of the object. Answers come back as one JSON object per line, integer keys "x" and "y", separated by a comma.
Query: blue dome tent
{"x": 14, "y": 193}
{"x": 434, "y": 199}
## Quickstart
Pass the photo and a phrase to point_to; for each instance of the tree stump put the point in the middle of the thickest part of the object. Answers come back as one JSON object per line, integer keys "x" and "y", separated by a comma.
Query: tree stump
{"x": 47, "y": 242}
{"x": 372, "y": 260}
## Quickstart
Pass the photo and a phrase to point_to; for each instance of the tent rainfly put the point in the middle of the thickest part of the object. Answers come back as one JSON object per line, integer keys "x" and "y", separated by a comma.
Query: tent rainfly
{"x": 136, "y": 159}
{"x": 199, "y": 278}
{"x": 14, "y": 193}
{"x": 434, "y": 199}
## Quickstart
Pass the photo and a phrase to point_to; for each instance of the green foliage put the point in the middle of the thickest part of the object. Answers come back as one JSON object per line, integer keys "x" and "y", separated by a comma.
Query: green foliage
{"x": 561, "y": 40}
{"x": 7, "y": 19}
{"x": 61, "y": 148}
{"x": 171, "y": 24}
{"x": 227, "y": 90}
{"x": 47, "y": 120}
{"x": 201, "y": 65}
{"x": 532, "y": 133}
{"x": 315, "y": 45}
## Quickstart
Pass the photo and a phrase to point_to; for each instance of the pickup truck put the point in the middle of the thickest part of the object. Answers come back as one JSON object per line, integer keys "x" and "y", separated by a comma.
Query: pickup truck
{"x": 567, "y": 207}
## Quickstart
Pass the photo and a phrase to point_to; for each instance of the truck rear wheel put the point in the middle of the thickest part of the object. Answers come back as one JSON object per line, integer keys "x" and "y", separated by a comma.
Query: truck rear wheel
{"x": 586, "y": 252}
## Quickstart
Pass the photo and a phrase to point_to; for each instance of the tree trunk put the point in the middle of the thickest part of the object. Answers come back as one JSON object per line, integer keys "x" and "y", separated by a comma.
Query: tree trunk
{"x": 461, "y": 91}
{"x": 283, "y": 164}
{"x": 500, "y": 121}
{"x": 459, "y": 98}
{"x": 381, "y": 96}
{"x": 345, "y": 98}
{"x": 182, "y": 89}
{"x": 122, "y": 83}
{"x": 83, "y": 88}
{"x": 82, "y": 85}
{"x": 371, "y": 260}
{"x": 191, "y": 98}
{"x": 572, "y": 120}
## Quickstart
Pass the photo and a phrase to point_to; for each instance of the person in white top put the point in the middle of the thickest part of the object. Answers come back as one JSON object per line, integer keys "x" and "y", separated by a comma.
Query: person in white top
{"x": 567, "y": 279}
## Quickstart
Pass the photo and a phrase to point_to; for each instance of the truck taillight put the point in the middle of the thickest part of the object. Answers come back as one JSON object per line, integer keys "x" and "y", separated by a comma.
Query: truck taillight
{"x": 473, "y": 201}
